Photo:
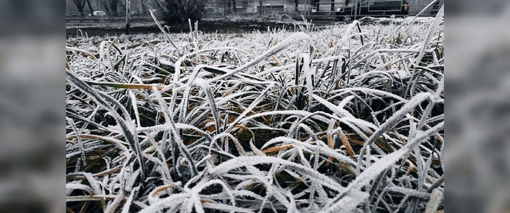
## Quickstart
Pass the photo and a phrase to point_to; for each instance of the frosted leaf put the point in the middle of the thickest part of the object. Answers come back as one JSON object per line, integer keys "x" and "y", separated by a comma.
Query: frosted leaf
{"x": 226, "y": 208}
{"x": 348, "y": 203}
{"x": 171, "y": 201}
{"x": 408, "y": 192}
{"x": 70, "y": 187}
{"x": 253, "y": 160}
{"x": 201, "y": 82}
{"x": 435, "y": 200}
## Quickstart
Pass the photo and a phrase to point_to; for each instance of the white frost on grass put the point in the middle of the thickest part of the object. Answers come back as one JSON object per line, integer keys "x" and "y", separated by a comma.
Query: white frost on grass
{"x": 264, "y": 121}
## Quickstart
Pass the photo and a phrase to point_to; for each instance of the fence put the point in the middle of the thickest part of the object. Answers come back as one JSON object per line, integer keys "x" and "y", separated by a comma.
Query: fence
{"x": 293, "y": 8}
{"x": 249, "y": 7}
{"x": 384, "y": 5}
{"x": 308, "y": 8}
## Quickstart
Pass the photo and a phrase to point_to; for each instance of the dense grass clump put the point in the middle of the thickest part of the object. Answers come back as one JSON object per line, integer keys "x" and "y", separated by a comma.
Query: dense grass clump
{"x": 345, "y": 119}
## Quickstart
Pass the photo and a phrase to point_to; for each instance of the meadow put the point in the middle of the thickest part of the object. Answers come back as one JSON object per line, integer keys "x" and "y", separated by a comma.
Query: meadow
{"x": 346, "y": 118}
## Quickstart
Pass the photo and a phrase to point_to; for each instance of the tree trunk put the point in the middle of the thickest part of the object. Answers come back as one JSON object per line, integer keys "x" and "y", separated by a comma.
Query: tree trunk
{"x": 80, "y": 5}
{"x": 90, "y": 8}
{"x": 104, "y": 4}
{"x": 306, "y": 6}
{"x": 80, "y": 10}
{"x": 262, "y": 7}
{"x": 122, "y": 6}
{"x": 144, "y": 8}
{"x": 114, "y": 6}
{"x": 159, "y": 5}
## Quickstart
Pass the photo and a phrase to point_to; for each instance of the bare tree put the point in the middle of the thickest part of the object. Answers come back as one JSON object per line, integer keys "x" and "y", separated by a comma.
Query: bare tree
{"x": 90, "y": 8}
{"x": 144, "y": 6}
{"x": 111, "y": 6}
{"x": 179, "y": 11}
{"x": 141, "y": 7}
{"x": 104, "y": 4}
{"x": 80, "y": 5}
{"x": 122, "y": 6}
{"x": 158, "y": 4}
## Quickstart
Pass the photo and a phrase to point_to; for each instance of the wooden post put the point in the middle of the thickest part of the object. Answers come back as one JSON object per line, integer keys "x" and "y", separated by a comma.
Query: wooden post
{"x": 355, "y": 9}
{"x": 127, "y": 17}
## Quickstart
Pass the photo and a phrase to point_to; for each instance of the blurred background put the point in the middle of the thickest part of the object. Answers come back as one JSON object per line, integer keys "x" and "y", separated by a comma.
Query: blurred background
{"x": 101, "y": 17}
{"x": 477, "y": 40}
{"x": 32, "y": 79}
{"x": 32, "y": 106}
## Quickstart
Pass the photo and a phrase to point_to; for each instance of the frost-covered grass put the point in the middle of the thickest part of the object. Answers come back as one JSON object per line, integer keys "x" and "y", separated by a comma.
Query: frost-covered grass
{"x": 344, "y": 119}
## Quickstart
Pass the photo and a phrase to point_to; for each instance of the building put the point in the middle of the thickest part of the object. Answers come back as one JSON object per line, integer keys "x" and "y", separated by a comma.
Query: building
{"x": 219, "y": 8}
{"x": 415, "y": 6}
{"x": 222, "y": 8}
